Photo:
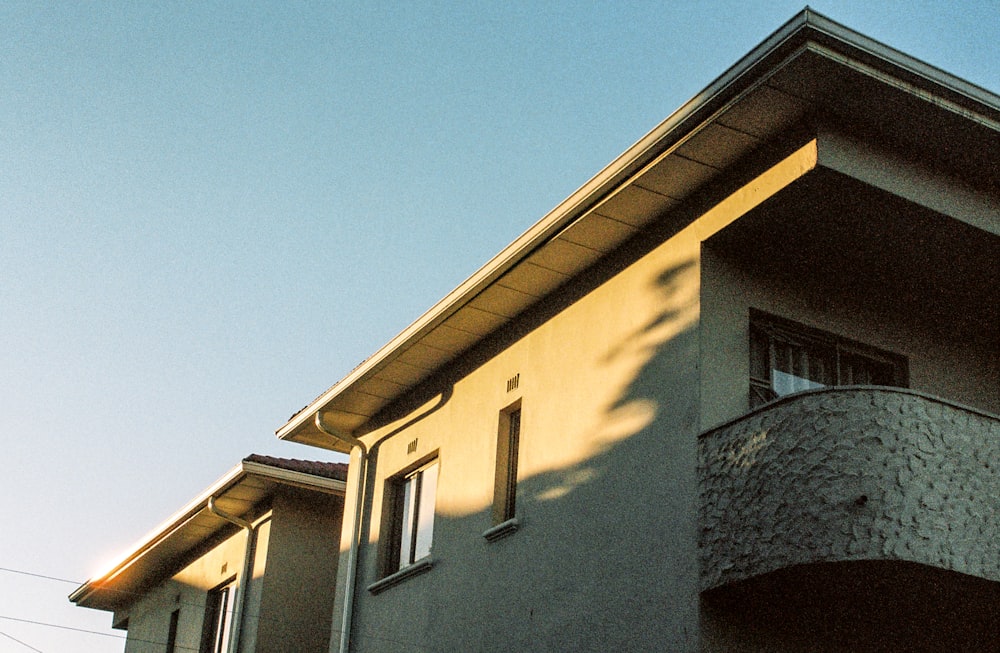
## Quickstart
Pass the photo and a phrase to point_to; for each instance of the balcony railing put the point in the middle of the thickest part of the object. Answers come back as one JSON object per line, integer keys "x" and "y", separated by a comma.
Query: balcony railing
{"x": 855, "y": 473}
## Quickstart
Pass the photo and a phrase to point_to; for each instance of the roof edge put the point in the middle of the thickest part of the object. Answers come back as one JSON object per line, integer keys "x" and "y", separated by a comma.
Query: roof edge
{"x": 807, "y": 25}
{"x": 590, "y": 193}
{"x": 166, "y": 528}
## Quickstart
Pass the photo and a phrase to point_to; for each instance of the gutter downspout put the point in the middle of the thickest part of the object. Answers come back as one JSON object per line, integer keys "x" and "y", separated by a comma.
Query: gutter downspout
{"x": 244, "y": 586}
{"x": 359, "y": 500}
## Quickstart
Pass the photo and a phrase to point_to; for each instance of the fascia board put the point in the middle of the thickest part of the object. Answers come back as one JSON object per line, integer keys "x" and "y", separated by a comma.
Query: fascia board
{"x": 194, "y": 507}
{"x": 899, "y": 64}
{"x": 634, "y": 159}
{"x": 753, "y": 69}
{"x": 159, "y": 534}
{"x": 298, "y": 479}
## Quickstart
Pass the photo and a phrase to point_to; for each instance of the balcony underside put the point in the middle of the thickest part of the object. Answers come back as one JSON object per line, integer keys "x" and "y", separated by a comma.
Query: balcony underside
{"x": 862, "y": 607}
{"x": 850, "y": 474}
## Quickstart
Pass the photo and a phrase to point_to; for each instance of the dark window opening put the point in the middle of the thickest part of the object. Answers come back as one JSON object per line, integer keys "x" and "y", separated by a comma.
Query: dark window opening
{"x": 786, "y": 357}
{"x": 505, "y": 483}
{"x": 172, "y": 631}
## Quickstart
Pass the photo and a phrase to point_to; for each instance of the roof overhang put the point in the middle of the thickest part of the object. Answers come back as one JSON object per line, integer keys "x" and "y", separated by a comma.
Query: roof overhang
{"x": 811, "y": 68}
{"x": 239, "y": 493}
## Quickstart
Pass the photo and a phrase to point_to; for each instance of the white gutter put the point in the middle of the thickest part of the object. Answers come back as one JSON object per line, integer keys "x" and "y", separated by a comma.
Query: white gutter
{"x": 183, "y": 517}
{"x": 243, "y": 588}
{"x": 352, "y": 556}
{"x": 648, "y": 149}
{"x": 641, "y": 154}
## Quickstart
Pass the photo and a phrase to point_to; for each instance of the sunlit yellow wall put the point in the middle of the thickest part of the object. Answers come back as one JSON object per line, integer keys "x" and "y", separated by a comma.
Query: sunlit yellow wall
{"x": 290, "y": 596}
{"x": 616, "y": 378}
{"x": 149, "y": 617}
{"x": 607, "y": 490}
{"x": 607, "y": 494}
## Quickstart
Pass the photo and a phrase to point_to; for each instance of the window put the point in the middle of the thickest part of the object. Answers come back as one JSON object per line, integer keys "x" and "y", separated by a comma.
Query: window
{"x": 412, "y": 518}
{"x": 786, "y": 357}
{"x": 172, "y": 631}
{"x": 505, "y": 483}
{"x": 218, "y": 619}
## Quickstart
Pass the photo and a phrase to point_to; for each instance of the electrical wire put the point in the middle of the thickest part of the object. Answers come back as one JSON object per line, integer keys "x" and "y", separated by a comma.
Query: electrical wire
{"x": 24, "y": 644}
{"x": 109, "y": 590}
{"x": 89, "y": 632}
{"x": 29, "y": 573}
{"x": 61, "y": 627}
{"x": 359, "y": 634}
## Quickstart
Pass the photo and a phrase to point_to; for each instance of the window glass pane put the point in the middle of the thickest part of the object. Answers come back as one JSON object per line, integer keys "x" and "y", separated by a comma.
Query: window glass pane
{"x": 784, "y": 384}
{"x": 425, "y": 512}
{"x": 505, "y": 479}
{"x": 799, "y": 367}
{"x": 225, "y": 618}
{"x": 172, "y": 631}
{"x": 513, "y": 434}
{"x": 218, "y": 620}
{"x": 786, "y": 358}
{"x": 408, "y": 515}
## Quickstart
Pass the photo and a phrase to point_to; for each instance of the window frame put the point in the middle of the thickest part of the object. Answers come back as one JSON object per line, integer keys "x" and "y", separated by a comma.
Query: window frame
{"x": 175, "y": 617}
{"x": 837, "y": 349}
{"x": 505, "y": 478}
{"x": 217, "y": 628}
{"x": 409, "y": 534}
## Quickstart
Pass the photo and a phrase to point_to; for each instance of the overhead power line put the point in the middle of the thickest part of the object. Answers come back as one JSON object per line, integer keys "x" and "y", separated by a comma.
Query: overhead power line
{"x": 24, "y": 644}
{"x": 60, "y": 626}
{"x": 34, "y": 575}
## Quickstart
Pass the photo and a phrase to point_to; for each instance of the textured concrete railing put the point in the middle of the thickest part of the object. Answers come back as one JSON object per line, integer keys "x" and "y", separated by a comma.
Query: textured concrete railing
{"x": 855, "y": 473}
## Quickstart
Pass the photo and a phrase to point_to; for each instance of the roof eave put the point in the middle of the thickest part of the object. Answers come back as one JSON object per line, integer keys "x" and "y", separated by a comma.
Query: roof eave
{"x": 756, "y": 67}
{"x": 172, "y": 524}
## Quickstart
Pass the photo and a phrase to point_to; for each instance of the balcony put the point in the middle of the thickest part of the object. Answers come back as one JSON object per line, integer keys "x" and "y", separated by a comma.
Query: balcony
{"x": 850, "y": 474}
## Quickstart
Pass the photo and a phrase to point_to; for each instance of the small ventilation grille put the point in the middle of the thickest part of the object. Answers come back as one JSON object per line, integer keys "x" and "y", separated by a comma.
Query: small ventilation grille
{"x": 412, "y": 447}
{"x": 513, "y": 382}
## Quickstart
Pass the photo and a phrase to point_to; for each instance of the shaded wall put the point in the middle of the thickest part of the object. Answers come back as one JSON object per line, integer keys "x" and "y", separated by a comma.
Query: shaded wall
{"x": 298, "y": 587}
{"x": 836, "y": 255}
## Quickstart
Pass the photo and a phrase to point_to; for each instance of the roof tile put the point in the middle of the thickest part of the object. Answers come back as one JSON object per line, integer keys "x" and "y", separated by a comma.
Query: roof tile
{"x": 336, "y": 471}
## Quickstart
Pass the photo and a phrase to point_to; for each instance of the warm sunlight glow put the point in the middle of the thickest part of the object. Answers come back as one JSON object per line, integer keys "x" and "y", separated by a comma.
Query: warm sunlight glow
{"x": 106, "y": 565}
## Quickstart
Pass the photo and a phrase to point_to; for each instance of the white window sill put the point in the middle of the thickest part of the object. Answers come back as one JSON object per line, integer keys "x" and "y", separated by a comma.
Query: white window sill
{"x": 418, "y": 567}
{"x": 501, "y": 530}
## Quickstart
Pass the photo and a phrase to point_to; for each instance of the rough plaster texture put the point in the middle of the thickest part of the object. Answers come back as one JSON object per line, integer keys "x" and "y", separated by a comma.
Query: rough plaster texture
{"x": 850, "y": 474}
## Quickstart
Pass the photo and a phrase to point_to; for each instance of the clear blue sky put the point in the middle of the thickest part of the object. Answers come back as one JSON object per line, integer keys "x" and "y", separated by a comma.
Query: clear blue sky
{"x": 210, "y": 212}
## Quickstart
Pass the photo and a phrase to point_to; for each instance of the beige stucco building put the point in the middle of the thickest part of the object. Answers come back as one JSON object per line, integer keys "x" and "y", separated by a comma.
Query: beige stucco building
{"x": 249, "y": 565}
{"x": 740, "y": 392}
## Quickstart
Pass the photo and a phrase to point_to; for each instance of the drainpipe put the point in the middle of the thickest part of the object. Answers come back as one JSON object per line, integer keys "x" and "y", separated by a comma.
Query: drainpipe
{"x": 359, "y": 500}
{"x": 244, "y": 587}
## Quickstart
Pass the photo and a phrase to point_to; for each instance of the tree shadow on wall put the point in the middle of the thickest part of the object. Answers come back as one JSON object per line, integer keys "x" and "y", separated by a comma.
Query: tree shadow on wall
{"x": 606, "y": 556}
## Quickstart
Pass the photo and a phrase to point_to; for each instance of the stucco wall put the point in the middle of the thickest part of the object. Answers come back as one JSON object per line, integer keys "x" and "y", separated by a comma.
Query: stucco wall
{"x": 607, "y": 378}
{"x": 882, "y": 299}
{"x": 298, "y": 589}
{"x": 617, "y": 374}
{"x": 149, "y": 617}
